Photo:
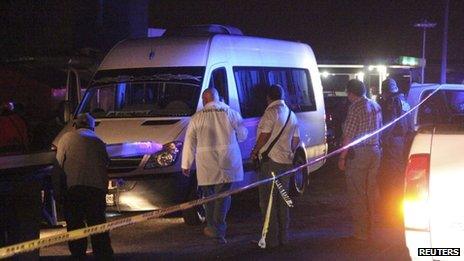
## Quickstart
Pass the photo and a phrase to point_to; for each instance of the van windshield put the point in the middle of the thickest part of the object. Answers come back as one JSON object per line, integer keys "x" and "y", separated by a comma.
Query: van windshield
{"x": 152, "y": 92}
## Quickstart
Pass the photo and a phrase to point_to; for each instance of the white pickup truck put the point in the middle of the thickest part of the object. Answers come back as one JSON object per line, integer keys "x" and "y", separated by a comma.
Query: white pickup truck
{"x": 434, "y": 180}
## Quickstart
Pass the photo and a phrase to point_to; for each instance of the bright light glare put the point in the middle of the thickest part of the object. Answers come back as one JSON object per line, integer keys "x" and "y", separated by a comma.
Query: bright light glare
{"x": 135, "y": 202}
{"x": 371, "y": 67}
{"x": 133, "y": 148}
{"x": 416, "y": 214}
{"x": 325, "y": 74}
{"x": 360, "y": 76}
{"x": 382, "y": 69}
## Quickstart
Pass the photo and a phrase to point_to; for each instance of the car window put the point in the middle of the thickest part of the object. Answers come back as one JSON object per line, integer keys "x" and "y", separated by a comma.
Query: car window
{"x": 218, "y": 81}
{"x": 252, "y": 81}
{"x": 442, "y": 107}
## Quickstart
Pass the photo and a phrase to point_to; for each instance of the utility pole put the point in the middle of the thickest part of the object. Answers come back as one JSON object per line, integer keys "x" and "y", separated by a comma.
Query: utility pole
{"x": 444, "y": 47}
{"x": 424, "y": 25}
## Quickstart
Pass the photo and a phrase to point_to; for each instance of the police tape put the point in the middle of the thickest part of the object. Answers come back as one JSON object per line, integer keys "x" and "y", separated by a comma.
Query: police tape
{"x": 267, "y": 218}
{"x": 32, "y": 245}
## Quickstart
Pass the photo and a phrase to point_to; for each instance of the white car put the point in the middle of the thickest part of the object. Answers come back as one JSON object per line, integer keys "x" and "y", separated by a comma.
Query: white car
{"x": 434, "y": 179}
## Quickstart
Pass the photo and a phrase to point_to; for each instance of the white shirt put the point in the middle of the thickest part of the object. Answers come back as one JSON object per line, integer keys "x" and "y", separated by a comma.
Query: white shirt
{"x": 84, "y": 159}
{"x": 273, "y": 120}
{"x": 212, "y": 138}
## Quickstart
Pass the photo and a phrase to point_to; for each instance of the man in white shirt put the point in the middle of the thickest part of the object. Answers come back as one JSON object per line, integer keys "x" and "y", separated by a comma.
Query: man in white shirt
{"x": 212, "y": 138}
{"x": 280, "y": 160}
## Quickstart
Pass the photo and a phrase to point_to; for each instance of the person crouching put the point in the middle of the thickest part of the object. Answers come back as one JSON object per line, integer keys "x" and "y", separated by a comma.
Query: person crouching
{"x": 84, "y": 160}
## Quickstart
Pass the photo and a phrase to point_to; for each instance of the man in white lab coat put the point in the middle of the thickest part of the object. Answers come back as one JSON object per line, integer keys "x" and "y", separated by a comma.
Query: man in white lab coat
{"x": 212, "y": 138}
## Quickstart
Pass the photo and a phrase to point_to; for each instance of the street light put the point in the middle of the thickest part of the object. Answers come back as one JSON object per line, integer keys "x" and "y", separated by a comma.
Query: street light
{"x": 424, "y": 25}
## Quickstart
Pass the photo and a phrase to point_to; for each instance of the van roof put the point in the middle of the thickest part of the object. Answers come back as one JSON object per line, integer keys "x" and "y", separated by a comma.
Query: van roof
{"x": 186, "y": 51}
{"x": 157, "y": 52}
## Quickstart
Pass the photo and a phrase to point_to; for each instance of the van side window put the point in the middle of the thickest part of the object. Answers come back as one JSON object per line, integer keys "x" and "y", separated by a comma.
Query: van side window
{"x": 299, "y": 94}
{"x": 219, "y": 82}
{"x": 251, "y": 91}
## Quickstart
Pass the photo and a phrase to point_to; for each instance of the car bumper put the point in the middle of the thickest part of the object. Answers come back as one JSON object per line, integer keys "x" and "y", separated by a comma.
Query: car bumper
{"x": 148, "y": 192}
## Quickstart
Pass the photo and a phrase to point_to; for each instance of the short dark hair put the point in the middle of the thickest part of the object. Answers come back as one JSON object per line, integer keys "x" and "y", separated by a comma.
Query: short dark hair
{"x": 356, "y": 87}
{"x": 275, "y": 92}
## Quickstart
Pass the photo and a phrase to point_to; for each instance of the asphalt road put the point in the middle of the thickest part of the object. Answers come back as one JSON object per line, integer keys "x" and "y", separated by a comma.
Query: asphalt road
{"x": 319, "y": 229}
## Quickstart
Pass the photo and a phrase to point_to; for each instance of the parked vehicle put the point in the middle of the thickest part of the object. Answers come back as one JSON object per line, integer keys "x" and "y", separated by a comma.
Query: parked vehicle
{"x": 434, "y": 181}
{"x": 336, "y": 108}
{"x": 146, "y": 90}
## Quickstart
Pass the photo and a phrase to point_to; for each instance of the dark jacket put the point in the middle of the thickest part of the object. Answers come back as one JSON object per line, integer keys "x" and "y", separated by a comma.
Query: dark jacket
{"x": 392, "y": 108}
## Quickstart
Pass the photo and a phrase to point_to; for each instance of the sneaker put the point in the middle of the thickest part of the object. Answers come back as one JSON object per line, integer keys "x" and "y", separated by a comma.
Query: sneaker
{"x": 209, "y": 232}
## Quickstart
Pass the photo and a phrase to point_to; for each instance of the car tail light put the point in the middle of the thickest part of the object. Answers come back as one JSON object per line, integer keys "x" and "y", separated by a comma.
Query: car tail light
{"x": 416, "y": 192}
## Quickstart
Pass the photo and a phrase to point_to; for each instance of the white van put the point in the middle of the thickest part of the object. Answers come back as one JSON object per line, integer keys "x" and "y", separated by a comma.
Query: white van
{"x": 145, "y": 91}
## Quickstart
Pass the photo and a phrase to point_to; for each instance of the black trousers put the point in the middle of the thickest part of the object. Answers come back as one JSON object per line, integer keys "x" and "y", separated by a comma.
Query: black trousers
{"x": 86, "y": 206}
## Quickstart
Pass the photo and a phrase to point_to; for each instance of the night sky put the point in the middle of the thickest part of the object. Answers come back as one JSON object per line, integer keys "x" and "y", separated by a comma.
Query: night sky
{"x": 368, "y": 29}
{"x": 356, "y": 29}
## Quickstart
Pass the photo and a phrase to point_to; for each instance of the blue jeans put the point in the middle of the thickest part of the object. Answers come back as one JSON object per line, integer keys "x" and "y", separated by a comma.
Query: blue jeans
{"x": 361, "y": 182}
{"x": 216, "y": 210}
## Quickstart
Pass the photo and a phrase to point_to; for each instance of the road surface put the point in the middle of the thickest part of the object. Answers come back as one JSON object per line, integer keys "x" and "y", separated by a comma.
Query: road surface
{"x": 319, "y": 229}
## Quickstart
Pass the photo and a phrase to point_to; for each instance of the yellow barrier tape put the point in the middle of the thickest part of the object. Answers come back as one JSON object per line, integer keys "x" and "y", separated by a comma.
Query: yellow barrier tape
{"x": 262, "y": 241}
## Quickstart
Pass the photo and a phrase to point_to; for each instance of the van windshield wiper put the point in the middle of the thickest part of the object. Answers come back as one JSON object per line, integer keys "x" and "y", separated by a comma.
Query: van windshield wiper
{"x": 179, "y": 77}
{"x": 144, "y": 113}
{"x": 155, "y": 77}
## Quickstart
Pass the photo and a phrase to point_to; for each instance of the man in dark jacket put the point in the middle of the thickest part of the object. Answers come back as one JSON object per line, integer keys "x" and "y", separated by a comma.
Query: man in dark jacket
{"x": 394, "y": 148}
{"x": 83, "y": 158}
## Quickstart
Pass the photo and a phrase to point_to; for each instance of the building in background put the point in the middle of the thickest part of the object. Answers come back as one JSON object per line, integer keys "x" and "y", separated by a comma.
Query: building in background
{"x": 335, "y": 75}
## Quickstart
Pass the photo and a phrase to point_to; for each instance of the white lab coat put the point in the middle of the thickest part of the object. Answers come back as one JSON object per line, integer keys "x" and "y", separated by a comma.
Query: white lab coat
{"x": 212, "y": 138}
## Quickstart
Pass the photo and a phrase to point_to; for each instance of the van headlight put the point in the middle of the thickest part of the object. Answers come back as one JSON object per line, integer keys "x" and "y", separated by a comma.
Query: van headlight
{"x": 166, "y": 157}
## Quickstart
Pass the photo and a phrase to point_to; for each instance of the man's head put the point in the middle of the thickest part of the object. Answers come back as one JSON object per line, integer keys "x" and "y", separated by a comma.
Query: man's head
{"x": 274, "y": 92}
{"x": 355, "y": 89}
{"x": 84, "y": 120}
{"x": 210, "y": 95}
{"x": 389, "y": 87}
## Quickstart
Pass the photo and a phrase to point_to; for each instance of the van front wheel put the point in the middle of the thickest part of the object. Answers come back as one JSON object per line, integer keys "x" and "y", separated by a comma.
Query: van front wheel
{"x": 299, "y": 180}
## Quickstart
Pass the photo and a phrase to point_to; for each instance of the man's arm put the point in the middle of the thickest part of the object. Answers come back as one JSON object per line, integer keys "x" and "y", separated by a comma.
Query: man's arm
{"x": 348, "y": 136}
{"x": 265, "y": 127}
{"x": 239, "y": 127}
{"x": 295, "y": 143}
{"x": 260, "y": 142}
{"x": 188, "y": 150}
{"x": 61, "y": 150}
{"x": 296, "y": 135}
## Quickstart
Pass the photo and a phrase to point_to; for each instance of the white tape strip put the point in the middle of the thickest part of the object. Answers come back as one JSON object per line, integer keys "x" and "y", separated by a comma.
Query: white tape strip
{"x": 262, "y": 241}
{"x": 283, "y": 193}
{"x": 27, "y": 246}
